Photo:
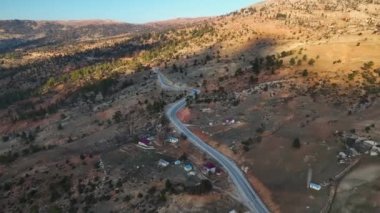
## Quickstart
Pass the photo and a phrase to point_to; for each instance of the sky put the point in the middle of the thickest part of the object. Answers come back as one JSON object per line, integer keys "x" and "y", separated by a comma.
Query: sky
{"x": 133, "y": 11}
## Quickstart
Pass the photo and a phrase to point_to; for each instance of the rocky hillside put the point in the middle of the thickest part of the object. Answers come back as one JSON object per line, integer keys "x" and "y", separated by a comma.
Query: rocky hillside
{"x": 85, "y": 90}
{"x": 23, "y": 33}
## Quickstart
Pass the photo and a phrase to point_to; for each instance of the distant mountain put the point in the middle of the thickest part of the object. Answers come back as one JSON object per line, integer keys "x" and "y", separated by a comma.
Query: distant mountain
{"x": 71, "y": 29}
{"x": 23, "y": 33}
{"x": 179, "y": 22}
{"x": 20, "y": 33}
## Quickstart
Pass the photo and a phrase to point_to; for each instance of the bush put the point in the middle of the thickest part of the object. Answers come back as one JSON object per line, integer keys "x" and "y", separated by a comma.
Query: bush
{"x": 55, "y": 209}
{"x": 5, "y": 138}
{"x": 34, "y": 209}
{"x": 117, "y": 117}
{"x": 305, "y": 73}
{"x": 296, "y": 143}
{"x": 90, "y": 199}
{"x": 7, "y": 186}
{"x": 156, "y": 107}
{"x": 168, "y": 185}
{"x": 8, "y": 157}
{"x": 281, "y": 16}
{"x": 258, "y": 139}
{"x": 127, "y": 198}
{"x": 292, "y": 61}
{"x": 152, "y": 190}
{"x": 368, "y": 65}
{"x": 162, "y": 197}
{"x": 304, "y": 57}
{"x": 63, "y": 116}
{"x": 164, "y": 121}
{"x": 204, "y": 187}
{"x": 183, "y": 136}
{"x": 238, "y": 72}
{"x": 311, "y": 62}
{"x": 82, "y": 156}
{"x": 252, "y": 80}
{"x": 286, "y": 53}
{"x": 183, "y": 157}
{"x": 260, "y": 129}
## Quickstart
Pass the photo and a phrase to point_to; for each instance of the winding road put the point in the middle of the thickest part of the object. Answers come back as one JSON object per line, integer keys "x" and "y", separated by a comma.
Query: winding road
{"x": 248, "y": 195}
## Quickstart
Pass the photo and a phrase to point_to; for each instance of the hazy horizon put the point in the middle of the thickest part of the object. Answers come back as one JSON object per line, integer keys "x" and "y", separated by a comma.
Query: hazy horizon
{"x": 133, "y": 11}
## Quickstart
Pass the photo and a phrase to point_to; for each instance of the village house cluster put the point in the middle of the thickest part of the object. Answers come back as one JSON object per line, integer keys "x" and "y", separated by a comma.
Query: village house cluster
{"x": 356, "y": 145}
{"x": 208, "y": 168}
{"x": 146, "y": 142}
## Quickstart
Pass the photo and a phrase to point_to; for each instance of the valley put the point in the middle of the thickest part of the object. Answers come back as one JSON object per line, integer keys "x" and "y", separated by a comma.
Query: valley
{"x": 283, "y": 103}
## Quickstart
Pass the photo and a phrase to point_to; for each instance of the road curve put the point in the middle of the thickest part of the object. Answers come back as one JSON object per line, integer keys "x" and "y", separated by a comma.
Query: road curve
{"x": 247, "y": 194}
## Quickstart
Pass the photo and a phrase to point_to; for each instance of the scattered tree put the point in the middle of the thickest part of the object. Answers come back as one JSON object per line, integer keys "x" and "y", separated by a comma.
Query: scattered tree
{"x": 368, "y": 65}
{"x": 60, "y": 127}
{"x": 299, "y": 62}
{"x": 5, "y": 138}
{"x": 296, "y": 143}
{"x": 311, "y": 62}
{"x": 117, "y": 117}
{"x": 305, "y": 73}
{"x": 292, "y": 61}
{"x": 304, "y": 57}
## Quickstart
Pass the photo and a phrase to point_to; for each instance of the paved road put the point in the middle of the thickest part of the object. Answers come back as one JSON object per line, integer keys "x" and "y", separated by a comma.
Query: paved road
{"x": 247, "y": 194}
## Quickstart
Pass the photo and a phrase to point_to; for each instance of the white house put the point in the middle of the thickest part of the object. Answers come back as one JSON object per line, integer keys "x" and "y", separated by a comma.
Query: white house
{"x": 163, "y": 163}
{"x": 342, "y": 155}
{"x": 172, "y": 140}
{"x": 372, "y": 143}
{"x": 144, "y": 142}
{"x": 374, "y": 153}
{"x": 315, "y": 186}
{"x": 188, "y": 167}
{"x": 209, "y": 168}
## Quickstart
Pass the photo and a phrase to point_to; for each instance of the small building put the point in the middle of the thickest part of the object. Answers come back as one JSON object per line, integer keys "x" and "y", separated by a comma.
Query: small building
{"x": 209, "y": 168}
{"x": 172, "y": 139}
{"x": 188, "y": 167}
{"x": 353, "y": 152}
{"x": 374, "y": 153}
{"x": 350, "y": 139}
{"x": 342, "y": 155}
{"x": 362, "y": 147}
{"x": 163, "y": 163}
{"x": 376, "y": 148}
{"x": 218, "y": 171}
{"x": 144, "y": 142}
{"x": 150, "y": 138}
{"x": 371, "y": 143}
{"x": 315, "y": 186}
{"x": 229, "y": 121}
